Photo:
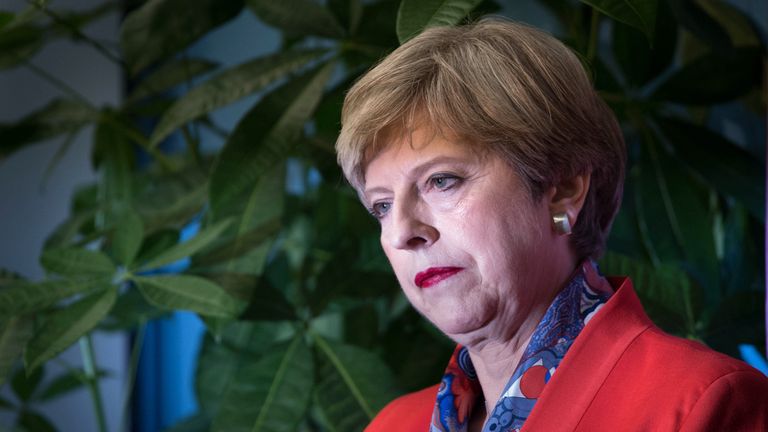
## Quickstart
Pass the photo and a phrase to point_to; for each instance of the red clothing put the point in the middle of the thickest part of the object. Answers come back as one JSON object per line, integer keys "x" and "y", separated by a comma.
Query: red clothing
{"x": 623, "y": 373}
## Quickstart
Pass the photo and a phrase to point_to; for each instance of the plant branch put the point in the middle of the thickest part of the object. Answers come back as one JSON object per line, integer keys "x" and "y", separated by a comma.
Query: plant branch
{"x": 593, "y": 30}
{"x": 89, "y": 364}
{"x": 138, "y": 343}
{"x": 57, "y": 19}
{"x": 59, "y": 84}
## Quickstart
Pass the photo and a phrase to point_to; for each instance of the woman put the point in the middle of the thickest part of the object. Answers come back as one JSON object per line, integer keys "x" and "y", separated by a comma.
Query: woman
{"x": 495, "y": 172}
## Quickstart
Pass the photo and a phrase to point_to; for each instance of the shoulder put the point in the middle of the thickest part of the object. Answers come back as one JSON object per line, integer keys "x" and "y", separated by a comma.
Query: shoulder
{"x": 630, "y": 363}
{"x": 735, "y": 401}
{"x": 408, "y": 413}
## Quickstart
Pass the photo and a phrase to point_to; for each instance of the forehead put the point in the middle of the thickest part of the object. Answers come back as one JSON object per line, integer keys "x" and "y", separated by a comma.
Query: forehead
{"x": 414, "y": 150}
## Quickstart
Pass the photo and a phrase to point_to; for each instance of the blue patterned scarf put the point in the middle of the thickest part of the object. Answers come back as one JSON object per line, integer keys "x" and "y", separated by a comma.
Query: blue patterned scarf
{"x": 569, "y": 312}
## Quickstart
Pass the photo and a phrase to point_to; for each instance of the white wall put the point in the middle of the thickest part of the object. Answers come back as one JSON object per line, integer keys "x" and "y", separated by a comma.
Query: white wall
{"x": 30, "y": 210}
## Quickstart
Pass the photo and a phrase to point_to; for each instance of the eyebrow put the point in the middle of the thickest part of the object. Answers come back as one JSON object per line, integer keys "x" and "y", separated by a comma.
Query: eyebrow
{"x": 418, "y": 171}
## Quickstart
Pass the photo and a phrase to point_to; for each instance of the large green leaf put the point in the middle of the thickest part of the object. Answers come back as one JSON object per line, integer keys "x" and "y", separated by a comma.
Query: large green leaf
{"x": 19, "y": 43}
{"x": 314, "y": 18}
{"x": 241, "y": 342}
{"x": 168, "y": 198}
{"x": 13, "y": 337}
{"x": 239, "y": 244}
{"x": 175, "y": 72}
{"x": 641, "y": 61}
{"x": 695, "y": 19}
{"x": 262, "y": 140}
{"x": 115, "y": 154}
{"x": 77, "y": 262}
{"x": 714, "y": 78}
{"x": 729, "y": 169}
{"x": 25, "y": 297}
{"x": 640, "y": 14}
{"x": 130, "y": 310}
{"x": 666, "y": 292}
{"x": 271, "y": 394}
{"x": 33, "y": 421}
{"x": 25, "y": 383}
{"x": 65, "y": 383}
{"x": 267, "y": 303}
{"x": 229, "y": 86}
{"x": 187, "y": 248}
{"x": 414, "y": 16}
{"x": 127, "y": 236}
{"x": 687, "y": 201}
{"x": 8, "y": 277}
{"x": 65, "y": 326}
{"x": 188, "y": 293}
{"x": 353, "y": 385}
{"x": 58, "y": 117}
{"x": 160, "y": 28}
{"x": 348, "y": 13}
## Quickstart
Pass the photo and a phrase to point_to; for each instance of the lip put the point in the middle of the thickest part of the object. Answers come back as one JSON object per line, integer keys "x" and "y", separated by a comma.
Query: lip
{"x": 434, "y": 275}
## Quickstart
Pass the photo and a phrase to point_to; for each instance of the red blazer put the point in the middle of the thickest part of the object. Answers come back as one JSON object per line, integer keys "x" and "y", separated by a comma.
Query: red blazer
{"x": 624, "y": 374}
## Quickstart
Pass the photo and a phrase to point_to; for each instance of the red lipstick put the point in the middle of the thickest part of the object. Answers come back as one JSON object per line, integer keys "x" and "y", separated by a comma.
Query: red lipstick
{"x": 433, "y": 275}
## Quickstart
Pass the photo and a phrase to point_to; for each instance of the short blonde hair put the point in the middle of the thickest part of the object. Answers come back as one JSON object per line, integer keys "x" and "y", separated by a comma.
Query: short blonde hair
{"x": 502, "y": 87}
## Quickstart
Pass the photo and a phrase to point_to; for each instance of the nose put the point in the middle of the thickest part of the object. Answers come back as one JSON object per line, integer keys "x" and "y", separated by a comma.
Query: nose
{"x": 409, "y": 228}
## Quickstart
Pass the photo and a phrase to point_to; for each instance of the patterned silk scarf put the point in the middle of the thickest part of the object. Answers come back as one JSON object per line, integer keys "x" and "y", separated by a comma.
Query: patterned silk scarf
{"x": 569, "y": 312}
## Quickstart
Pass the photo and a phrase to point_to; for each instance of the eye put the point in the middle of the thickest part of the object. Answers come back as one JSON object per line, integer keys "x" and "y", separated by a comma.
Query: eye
{"x": 443, "y": 181}
{"x": 379, "y": 209}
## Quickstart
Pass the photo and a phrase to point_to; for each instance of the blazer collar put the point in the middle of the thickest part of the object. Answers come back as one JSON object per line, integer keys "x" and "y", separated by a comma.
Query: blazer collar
{"x": 589, "y": 361}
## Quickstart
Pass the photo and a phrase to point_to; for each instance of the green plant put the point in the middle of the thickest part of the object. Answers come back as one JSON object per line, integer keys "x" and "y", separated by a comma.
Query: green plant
{"x": 306, "y": 326}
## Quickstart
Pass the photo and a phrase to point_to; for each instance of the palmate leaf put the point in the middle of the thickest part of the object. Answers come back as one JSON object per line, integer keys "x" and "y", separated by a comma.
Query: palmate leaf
{"x": 33, "y": 421}
{"x": 241, "y": 342}
{"x": 262, "y": 140}
{"x": 114, "y": 153}
{"x": 720, "y": 163}
{"x": 640, "y": 14}
{"x": 353, "y": 385}
{"x": 270, "y": 395}
{"x": 58, "y": 117}
{"x": 19, "y": 43}
{"x": 160, "y": 28}
{"x": 127, "y": 236}
{"x": 714, "y": 78}
{"x": 239, "y": 245}
{"x": 695, "y": 19}
{"x": 642, "y": 60}
{"x": 26, "y": 297}
{"x": 666, "y": 292}
{"x": 175, "y": 72}
{"x": 687, "y": 202}
{"x": 229, "y": 86}
{"x": 187, "y": 248}
{"x": 63, "y": 384}
{"x": 65, "y": 326}
{"x": 25, "y": 384}
{"x": 414, "y": 16}
{"x": 77, "y": 262}
{"x": 348, "y": 13}
{"x": 188, "y": 293}
{"x": 314, "y": 18}
{"x": 13, "y": 337}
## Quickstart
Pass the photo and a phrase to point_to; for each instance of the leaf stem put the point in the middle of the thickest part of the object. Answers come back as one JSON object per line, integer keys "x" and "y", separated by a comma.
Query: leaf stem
{"x": 138, "y": 343}
{"x": 79, "y": 35}
{"x": 89, "y": 364}
{"x": 593, "y": 30}
{"x": 59, "y": 84}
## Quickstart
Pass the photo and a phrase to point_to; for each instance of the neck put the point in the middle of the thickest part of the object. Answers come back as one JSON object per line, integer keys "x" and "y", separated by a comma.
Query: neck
{"x": 495, "y": 360}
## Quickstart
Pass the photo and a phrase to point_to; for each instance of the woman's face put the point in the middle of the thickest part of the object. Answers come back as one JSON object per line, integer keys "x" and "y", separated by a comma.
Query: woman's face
{"x": 471, "y": 249}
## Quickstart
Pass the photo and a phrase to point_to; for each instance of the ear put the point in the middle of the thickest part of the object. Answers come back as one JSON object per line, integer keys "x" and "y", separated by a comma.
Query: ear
{"x": 568, "y": 196}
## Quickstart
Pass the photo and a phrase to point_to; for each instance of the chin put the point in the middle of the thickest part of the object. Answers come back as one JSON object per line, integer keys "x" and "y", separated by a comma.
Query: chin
{"x": 460, "y": 324}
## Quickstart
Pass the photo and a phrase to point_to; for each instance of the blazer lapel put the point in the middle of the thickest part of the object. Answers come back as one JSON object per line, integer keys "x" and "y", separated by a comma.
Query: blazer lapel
{"x": 589, "y": 361}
